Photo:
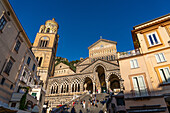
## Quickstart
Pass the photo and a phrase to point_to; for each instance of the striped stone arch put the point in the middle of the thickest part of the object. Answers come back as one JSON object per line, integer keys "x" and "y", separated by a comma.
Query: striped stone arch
{"x": 54, "y": 81}
{"x": 65, "y": 79}
{"x": 78, "y": 78}
{"x": 114, "y": 73}
{"x": 53, "y": 85}
{"x": 99, "y": 64}
{"x": 89, "y": 76}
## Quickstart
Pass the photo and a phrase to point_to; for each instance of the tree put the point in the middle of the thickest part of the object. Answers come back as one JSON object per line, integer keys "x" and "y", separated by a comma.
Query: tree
{"x": 23, "y": 99}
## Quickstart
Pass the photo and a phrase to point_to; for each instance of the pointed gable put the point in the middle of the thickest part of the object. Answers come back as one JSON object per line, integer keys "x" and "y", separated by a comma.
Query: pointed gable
{"x": 62, "y": 69}
{"x": 81, "y": 65}
{"x": 107, "y": 65}
{"x": 102, "y": 41}
{"x": 102, "y": 49}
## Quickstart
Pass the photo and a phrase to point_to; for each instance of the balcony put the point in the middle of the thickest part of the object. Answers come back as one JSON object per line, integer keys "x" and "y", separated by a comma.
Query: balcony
{"x": 129, "y": 53}
{"x": 22, "y": 78}
{"x": 38, "y": 87}
{"x": 17, "y": 97}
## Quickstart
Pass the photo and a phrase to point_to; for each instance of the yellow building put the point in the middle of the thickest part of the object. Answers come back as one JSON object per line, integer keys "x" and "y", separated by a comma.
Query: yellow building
{"x": 145, "y": 70}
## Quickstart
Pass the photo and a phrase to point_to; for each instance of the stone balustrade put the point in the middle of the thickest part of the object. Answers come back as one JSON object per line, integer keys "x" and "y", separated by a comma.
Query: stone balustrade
{"x": 129, "y": 53}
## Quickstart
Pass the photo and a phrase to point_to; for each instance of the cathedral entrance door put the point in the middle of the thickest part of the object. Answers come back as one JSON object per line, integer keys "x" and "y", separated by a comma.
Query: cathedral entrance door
{"x": 101, "y": 79}
{"x": 88, "y": 85}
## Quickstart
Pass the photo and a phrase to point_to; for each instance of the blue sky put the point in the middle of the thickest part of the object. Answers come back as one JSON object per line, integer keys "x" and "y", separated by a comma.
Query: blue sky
{"x": 82, "y": 22}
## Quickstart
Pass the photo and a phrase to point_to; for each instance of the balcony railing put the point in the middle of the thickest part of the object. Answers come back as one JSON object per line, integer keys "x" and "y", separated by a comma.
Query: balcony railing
{"x": 129, "y": 53}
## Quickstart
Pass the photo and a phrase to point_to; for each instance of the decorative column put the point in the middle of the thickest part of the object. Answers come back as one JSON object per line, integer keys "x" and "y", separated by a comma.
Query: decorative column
{"x": 94, "y": 88}
{"x": 59, "y": 89}
{"x": 70, "y": 89}
{"x": 81, "y": 87}
{"x": 108, "y": 86}
{"x": 54, "y": 90}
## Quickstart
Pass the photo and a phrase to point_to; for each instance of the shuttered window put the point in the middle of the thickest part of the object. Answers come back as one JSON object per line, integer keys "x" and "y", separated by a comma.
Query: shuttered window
{"x": 160, "y": 57}
{"x": 165, "y": 74}
{"x": 139, "y": 86}
{"x": 153, "y": 39}
{"x": 134, "y": 63}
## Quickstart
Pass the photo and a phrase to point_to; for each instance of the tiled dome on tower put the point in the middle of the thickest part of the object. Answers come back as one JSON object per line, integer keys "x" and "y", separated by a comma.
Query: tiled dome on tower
{"x": 51, "y": 26}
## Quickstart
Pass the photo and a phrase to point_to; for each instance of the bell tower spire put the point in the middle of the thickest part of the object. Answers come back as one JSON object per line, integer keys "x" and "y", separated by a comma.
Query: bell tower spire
{"x": 45, "y": 48}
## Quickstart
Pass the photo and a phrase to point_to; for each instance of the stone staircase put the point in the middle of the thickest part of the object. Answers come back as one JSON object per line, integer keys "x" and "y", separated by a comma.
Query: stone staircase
{"x": 93, "y": 109}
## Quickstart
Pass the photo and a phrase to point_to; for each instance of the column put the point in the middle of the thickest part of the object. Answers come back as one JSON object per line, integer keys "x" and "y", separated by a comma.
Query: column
{"x": 59, "y": 89}
{"x": 94, "y": 88}
{"x": 81, "y": 87}
{"x": 121, "y": 84}
{"x": 70, "y": 88}
{"x": 54, "y": 90}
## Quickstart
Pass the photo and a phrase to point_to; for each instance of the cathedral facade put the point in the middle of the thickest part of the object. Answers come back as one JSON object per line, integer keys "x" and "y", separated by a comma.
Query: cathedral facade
{"x": 97, "y": 73}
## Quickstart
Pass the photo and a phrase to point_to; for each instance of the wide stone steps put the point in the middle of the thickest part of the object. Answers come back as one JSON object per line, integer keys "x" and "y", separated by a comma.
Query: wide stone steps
{"x": 93, "y": 109}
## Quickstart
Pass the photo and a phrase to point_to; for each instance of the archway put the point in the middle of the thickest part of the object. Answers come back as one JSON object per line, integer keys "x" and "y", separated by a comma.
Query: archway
{"x": 114, "y": 82}
{"x": 101, "y": 79}
{"x": 89, "y": 85}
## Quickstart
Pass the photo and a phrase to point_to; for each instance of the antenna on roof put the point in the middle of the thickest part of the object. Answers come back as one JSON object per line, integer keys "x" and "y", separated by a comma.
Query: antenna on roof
{"x": 100, "y": 37}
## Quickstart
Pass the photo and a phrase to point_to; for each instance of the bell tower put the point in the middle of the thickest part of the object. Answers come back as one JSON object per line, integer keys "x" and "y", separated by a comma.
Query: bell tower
{"x": 45, "y": 48}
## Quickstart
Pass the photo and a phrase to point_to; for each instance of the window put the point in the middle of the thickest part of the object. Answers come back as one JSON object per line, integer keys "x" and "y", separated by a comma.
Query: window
{"x": 28, "y": 61}
{"x": 40, "y": 61}
{"x": 30, "y": 79}
{"x": 43, "y": 43}
{"x": 134, "y": 63}
{"x": 37, "y": 59}
{"x": 8, "y": 67}
{"x": 3, "y": 21}
{"x": 48, "y": 30}
{"x": 153, "y": 39}
{"x": 139, "y": 86}
{"x": 13, "y": 104}
{"x": 160, "y": 57}
{"x": 165, "y": 74}
{"x": 33, "y": 67}
{"x": 41, "y": 30}
{"x": 24, "y": 73}
{"x": 2, "y": 81}
{"x": 11, "y": 87}
{"x": 17, "y": 45}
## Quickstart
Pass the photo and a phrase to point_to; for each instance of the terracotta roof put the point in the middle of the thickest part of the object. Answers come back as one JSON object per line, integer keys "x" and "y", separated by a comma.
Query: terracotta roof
{"x": 102, "y": 40}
